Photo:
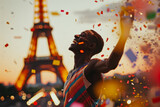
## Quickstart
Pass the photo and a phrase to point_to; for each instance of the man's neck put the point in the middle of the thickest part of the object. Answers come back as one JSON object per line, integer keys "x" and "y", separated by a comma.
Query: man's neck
{"x": 80, "y": 59}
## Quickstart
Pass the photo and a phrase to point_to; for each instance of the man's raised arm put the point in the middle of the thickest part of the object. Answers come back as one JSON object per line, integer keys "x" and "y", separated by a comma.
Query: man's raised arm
{"x": 126, "y": 22}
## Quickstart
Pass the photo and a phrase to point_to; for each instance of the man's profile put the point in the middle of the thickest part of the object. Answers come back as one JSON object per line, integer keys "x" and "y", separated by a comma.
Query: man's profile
{"x": 87, "y": 72}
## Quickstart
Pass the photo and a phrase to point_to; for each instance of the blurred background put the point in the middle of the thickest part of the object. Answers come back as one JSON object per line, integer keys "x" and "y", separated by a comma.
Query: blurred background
{"x": 134, "y": 83}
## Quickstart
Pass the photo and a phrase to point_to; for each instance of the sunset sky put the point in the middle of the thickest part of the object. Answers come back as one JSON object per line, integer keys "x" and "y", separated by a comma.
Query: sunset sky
{"x": 16, "y": 20}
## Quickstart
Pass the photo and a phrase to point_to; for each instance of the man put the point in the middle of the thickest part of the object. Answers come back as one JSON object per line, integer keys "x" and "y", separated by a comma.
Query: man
{"x": 87, "y": 72}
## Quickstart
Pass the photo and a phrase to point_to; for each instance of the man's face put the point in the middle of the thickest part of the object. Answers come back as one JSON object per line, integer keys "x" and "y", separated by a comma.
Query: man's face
{"x": 81, "y": 42}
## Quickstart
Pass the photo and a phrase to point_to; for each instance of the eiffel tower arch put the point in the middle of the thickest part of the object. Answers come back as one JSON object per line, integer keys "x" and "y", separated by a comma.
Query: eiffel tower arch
{"x": 34, "y": 64}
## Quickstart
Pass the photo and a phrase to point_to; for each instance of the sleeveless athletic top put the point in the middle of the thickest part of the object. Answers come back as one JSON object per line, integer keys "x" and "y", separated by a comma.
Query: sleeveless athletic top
{"x": 75, "y": 89}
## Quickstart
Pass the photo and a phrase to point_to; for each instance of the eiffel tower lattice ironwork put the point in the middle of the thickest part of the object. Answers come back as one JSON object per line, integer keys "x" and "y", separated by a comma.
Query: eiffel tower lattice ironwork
{"x": 34, "y": 64}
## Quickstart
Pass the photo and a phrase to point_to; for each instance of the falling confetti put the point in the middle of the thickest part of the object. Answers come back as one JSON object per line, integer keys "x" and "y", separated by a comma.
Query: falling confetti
{"x": 102, "y": 55}
{"x": 99, "y": 25}
{"x": 7, "y": 22}
{"x": 98, "y": 13}
{"x": 67, "y": 13}
{"x": 6, "y": 45}
{"x": 107, "y": 39}
{"x": 116, "y": 14}
{"x": 151, "y": 15}
{"x": 132, "y": 57}
{"x": 62, "y": 10}
{"x": 32, "y": 29}
{"x": 108, "y": 9}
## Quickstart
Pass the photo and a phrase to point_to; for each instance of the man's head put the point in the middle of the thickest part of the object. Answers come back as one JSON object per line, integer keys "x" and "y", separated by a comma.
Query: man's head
{"x": 88, "y": 41}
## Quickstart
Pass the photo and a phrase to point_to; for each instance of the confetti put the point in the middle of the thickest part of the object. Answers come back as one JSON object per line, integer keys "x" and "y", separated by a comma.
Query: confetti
{"x": 93, "y": 26}
{"x": 67, "y": 13}
{"x": 96, "y": 1}
{"x": 101, "y": 12}
{"x": 145, "y": 26}
{"x": 115, "y": 27}
{"x": 157, "y": 93}
{"x": 62, "y": 10}
{"x": 55, "y": 13}
{"x": 17, "y": 37}
{"x": 116, "y": 14}
{"x": 151, "y": 15}
{"x": 107, "y": 48}
{"x": 107, "y": 39}
{"x": 132, "y": 57}
{"x": 7, "y": 22}
{"x": 32, "y": 29}
{"x": 6, "y": 45}
{"x": 140, "y": 29}
{"x": 102, "y": 55}
{"x": 98, "y": 13}
{"x": 99, "y": 25}
{"x": 108, "y": 9}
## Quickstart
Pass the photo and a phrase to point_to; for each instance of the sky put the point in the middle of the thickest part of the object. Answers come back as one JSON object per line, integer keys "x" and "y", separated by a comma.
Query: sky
{"x": 16, "y": 20}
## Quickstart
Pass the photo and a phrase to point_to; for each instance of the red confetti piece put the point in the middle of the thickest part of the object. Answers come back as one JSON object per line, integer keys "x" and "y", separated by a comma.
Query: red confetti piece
{"x": 116, "y": 14}
{"x": 32, "y": 29}
{"x": 115, "y": 23}
{"x": 99, "y": 25}
{"x": 112, "y": 30}
{"x": 145, "y": 87}
{"x": 115, "y": 27}
{"x": 127, "y": 81}
{"x": 145, "y": 26}
{"x": 158, "y": 25}
{"x": 107, "y": 39}
{"x": 96, "y": 1}
{"x": 93, "y": 26}
{"x": 140, "y": 29}
{"x": 133, "y": 88}
{"x": 107, "y": 48}
{"x": 35, "y": 103}
{"x": 98, "y": 13}
{"x": 6, "y": 45}
{"x": 102, "y": 55}
{"x": 7, "y": 22}
{"x": 133, "y": 93}
{"x": 62, "y": 10}
{"x": 101, "y": 12}
{"x": 121, "y": 81}
{"x": 67, "y": 13}
{"x": 156, "y": 99}
{"x": 132, "y": 75}
{"x": 108, "y": 10}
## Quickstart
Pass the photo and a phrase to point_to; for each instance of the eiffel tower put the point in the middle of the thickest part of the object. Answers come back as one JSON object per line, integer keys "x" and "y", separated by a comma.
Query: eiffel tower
{"x": 34, "y": 64}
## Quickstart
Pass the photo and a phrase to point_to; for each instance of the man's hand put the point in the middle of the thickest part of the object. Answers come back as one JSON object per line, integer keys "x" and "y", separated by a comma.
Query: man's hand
{"x": 126, "y": 20}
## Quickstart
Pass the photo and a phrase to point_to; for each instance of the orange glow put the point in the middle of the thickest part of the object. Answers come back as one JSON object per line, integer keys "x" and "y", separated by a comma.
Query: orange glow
{"x": 81, "y": 51}
{"x": 63, "y": 72}
{"x": 80, "y": 43}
